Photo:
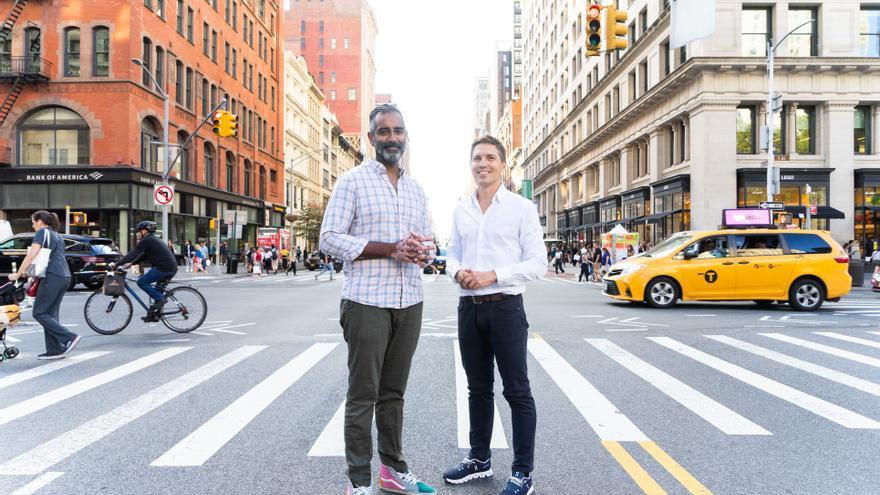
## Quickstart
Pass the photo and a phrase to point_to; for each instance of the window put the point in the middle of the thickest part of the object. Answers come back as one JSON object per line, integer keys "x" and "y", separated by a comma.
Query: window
{"x": 160, "y": 8}
{"x": 150, "y": 132}
{"x": 247, "y": 178}
{"x": 160, "y": 67}
{"x": 302, "y": 43}
{"x": 333, "y": 77}
{"x": 320, "y": 60}
{"x": 53, "y": 136}
{"x": 332, "y": 95}
{"x": 227, "y": 11}
{"x": 235, "y": 16}
{"x": 345, "y": 43}
{"x": 756, "y": 32}
{"x": 321, "y": 26}
{"x": 352, "y": 94}
{"x": 189, "y": 83}
{"x": 805, "y": 130}
{"x": 302, "y": 27}
{"x": 244, "y": 27}
{"x": 332, "y": 43}
{"x": 745, "y": 130}
{"x": 320, "y": 78}
{"x": 226, "y": 53}
{"x": 230, "y": 172}
{"x": 147, "y": 53}
{"x": 205, "y": 108}
{"x": 214, "y": 46}
{"x": 779, "y": 125}
{"x": 758, "y": 245}
{"x": 206, "y": 31}
{"x": 209, "y": 165}
{"x": 189, "y": 24}
{"x": 178, "y": 82}
{"x": 234, "y": 63}
{"x": 71, "y": 52}
{"x": 862, "y": 130}
{"x": 262, "y": 182}
{"x": 6, "y": 56}
{"x": 101, "y": 48}
{"x": 261, "y": 8}
{"x": 33, "y": 49}
{"x": 869, "y": 31}
{"x": 320, "y": 43}
{"x": 180, "y": 17}
{"x": 148, "y": 4}
{"x": 184, "y": 162}
{"x": 664, "y": 59}
{"x": 806, "y": 244}
{"x": 711, "y": 247}
{"x": 802, "y": 43}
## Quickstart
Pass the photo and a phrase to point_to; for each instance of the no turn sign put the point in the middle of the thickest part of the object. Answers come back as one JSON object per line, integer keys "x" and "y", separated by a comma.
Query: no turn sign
{"x": 163, "y": 194}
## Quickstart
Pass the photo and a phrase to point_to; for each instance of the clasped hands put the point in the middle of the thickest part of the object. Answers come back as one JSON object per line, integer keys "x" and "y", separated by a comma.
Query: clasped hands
{"x": 470, "y": 279}
{"x": 415, "y": 249}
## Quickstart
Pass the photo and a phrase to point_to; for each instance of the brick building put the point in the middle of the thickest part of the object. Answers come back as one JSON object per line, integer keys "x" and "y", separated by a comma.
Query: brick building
{"x": 85, "y": 127}
{"x": 338, "y": 40}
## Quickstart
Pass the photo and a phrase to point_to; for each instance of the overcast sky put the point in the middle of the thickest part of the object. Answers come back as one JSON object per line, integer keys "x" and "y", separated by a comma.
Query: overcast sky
{"x": 428, "y": 55}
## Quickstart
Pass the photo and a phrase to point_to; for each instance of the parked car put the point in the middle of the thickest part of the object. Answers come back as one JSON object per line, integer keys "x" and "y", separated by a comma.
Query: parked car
{"x": 314, "y": 262}
{"x": 87, "y": 257}
{"x": 439, "y": 263}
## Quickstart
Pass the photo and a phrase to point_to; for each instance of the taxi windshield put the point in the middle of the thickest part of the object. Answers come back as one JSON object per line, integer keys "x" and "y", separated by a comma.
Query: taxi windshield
{"x": 667, "y": 246}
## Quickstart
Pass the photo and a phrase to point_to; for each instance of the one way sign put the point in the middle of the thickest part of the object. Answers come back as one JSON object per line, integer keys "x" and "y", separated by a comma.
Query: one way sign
{"x": 772, "y": 205}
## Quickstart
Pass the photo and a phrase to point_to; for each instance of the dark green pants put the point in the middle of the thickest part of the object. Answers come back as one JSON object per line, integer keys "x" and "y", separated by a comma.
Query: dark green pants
{"x": 381, "y": 343}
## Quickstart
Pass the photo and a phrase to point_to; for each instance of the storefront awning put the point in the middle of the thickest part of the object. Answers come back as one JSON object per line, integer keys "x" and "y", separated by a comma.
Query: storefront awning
{"x": 640, "y": 219}
{"x": 824, "y": 212}
{"x": 656, "y": 217}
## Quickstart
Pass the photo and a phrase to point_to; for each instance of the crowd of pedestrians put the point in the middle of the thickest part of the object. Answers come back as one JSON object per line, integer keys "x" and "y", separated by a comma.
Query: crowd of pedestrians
{"x": 594, "y": 259}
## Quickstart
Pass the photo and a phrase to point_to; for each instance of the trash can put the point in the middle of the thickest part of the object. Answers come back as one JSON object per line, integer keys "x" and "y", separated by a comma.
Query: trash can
{"x": 857, "y": 272}
{"x": 232, "y": 264}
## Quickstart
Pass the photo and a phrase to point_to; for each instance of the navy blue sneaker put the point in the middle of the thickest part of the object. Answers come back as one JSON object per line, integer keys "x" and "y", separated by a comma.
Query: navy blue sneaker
{"x": 467, "y": 470}
{"x": 519, "y": 484}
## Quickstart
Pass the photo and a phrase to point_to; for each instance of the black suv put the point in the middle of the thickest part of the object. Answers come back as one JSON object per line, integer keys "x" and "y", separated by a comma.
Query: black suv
{"x": 87, "y": 257}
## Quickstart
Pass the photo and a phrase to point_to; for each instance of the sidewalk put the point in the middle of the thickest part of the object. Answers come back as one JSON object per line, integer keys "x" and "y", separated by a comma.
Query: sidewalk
{"x": 216, "y": 272}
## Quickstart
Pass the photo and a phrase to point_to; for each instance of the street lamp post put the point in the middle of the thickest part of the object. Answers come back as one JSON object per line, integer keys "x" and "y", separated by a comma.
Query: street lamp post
{"x": 165, "y": 144}
{"x": 771, "y": 48}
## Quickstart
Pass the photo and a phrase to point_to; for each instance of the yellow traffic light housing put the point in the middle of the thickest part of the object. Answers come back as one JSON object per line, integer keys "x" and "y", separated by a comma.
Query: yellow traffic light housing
{"x": 218, "y": 122}
{"x": 231, "y": 127}
{"x": 614, "y": 29}
{"x": 79, "y": 219}
{"x": 594, "y": 30}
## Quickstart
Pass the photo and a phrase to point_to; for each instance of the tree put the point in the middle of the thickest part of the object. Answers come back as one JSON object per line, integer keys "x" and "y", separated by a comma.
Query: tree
{"x": 308, "y": 223}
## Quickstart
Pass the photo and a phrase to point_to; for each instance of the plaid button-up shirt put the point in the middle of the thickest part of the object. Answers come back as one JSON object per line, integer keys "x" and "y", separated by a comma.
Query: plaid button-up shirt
{"x": 365, "y": 207}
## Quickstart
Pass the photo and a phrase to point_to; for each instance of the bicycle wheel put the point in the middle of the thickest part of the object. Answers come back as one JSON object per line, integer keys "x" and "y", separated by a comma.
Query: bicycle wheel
{"x": 107, "y": 315}
{"x": 184, "y": 310}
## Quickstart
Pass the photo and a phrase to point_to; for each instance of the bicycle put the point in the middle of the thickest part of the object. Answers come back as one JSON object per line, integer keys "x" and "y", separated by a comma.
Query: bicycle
{"x": 109, "y": 315}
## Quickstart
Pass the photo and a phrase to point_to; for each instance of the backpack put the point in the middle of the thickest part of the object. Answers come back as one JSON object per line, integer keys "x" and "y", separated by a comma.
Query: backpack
{"x": 274, "y": 254}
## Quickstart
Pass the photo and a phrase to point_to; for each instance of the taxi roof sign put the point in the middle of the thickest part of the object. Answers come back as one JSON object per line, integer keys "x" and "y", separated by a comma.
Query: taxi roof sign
{"x": 747, "y": 217}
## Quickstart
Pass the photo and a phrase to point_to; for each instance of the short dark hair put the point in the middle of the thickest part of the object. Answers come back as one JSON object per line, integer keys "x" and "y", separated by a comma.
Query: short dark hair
{"x": 48, "y": 218}
{"x": 487, "y": 139}
{"x": 379, "y": 110}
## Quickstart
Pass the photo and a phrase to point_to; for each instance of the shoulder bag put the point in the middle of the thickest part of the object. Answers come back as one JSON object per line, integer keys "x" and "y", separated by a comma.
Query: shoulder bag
{"x": 41, "y": 262}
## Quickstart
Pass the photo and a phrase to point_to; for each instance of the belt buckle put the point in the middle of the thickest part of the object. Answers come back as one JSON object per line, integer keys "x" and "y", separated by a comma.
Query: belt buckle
{"x": 475, "y": 301}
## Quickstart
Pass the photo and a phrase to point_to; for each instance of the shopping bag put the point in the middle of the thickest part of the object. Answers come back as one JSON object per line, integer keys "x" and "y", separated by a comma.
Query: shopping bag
{"x": 114, "y": 284}
{"x": 41, "y": 262}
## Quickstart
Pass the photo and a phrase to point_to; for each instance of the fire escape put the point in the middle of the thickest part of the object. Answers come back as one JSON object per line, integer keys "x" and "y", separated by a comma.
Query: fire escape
{"x": 18, "y": 71}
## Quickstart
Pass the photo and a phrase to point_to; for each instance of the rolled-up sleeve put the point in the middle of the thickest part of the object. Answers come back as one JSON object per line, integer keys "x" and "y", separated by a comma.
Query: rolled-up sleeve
{"x": 453, "y": 251}
{"x": 340, "y": 213}
{"x": 531, "y": 240}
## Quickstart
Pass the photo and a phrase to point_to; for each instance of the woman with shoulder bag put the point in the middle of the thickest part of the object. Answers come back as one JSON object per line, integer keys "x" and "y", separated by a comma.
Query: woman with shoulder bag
{"x": 46, "y": 261}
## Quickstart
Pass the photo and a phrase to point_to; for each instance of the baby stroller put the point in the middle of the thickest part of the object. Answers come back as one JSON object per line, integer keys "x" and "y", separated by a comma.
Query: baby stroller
{"x": 10, "y": 313}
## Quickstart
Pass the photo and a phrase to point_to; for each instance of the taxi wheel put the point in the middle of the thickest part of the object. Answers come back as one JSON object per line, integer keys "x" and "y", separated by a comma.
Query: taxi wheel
{"x": 806, "y": 295}
{"x": 662, "y": 292}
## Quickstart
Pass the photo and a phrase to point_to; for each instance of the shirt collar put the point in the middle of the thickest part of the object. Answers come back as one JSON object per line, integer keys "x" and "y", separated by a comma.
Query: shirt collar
{"x": 380, "y": 168}
{"x": 499, "y": 197}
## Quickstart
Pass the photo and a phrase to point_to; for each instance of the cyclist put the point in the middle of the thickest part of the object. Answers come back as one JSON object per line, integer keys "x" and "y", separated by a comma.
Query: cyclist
{"x": 164, "y": 265}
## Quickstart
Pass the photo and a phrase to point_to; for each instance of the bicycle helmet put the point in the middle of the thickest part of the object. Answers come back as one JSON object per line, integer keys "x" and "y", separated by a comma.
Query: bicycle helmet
{"x": 147, "y": 225}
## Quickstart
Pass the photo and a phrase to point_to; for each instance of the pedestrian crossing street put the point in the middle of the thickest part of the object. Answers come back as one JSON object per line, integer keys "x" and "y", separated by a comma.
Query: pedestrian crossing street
{"x": 612, "y": 388}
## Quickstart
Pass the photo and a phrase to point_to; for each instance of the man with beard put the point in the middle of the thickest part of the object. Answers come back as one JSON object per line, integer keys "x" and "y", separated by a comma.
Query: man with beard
{"x": 377, "y": 222}
{"x": 495, "y": 248}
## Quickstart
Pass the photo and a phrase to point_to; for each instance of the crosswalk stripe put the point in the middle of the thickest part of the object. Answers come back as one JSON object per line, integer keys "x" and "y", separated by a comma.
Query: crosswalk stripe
{"x": 827, "y": 349}
{"x": 815, "y": 369}
{"x": 38, "y": 483}
{"x": 832, "y": 412}
{"x": 848, "y": 338}
{"x": 200, "y": 445}
{"x": 51, "y": 397}
{"x": 63, "y": 446}
{"x": 716, "y": 414}
{"x": 21, "y": 376}
{"x": 13, "y": 340}
{"x": 499, "y": 440}
{"x": 331, "y": 441}
{"x": 600, "y": 413}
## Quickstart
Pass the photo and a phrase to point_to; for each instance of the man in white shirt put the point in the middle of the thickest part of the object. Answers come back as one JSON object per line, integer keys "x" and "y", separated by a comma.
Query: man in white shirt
{"x": 495, "y": 248}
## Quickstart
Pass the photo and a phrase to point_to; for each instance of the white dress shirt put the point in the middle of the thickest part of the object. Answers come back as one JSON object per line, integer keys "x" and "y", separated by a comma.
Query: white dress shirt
{"x": 507, "y": 238}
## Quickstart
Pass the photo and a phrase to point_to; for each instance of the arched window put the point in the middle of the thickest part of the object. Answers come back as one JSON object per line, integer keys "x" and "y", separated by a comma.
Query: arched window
{"x": 101, "y": 47}
{"x": 146, "y": 56}
{"x": 160, "y": 67}
{"x": 209, "y": 165}
{"x": 53, "y": 136}
{"x": 149, "y": 152}
{"x": 71, "y": 51}
{"x": 184, "y": 155}
{"x": 230, "y": 171}
{"x": 32, "y": 49}
{"x": 247, "y": 178}
{"x": 262, "y": 182}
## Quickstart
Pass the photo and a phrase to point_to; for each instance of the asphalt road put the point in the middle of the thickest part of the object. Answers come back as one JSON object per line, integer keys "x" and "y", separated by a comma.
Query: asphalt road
{"x": 721, "y": 398}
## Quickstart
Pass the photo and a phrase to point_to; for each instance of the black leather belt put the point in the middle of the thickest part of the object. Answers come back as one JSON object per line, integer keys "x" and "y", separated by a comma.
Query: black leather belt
{"x": 485, "y": 298}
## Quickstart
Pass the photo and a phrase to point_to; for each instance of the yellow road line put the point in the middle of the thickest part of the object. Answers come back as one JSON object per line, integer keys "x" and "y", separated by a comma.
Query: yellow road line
{"x": 675, "y": 469}
{"x": 633, "y": 469}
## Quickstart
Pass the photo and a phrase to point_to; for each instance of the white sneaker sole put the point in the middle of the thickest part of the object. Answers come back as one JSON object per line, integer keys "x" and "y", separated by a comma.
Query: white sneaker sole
{"x": 471, "y": 477}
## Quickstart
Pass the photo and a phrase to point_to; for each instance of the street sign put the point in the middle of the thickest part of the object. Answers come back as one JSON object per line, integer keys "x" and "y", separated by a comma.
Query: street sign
{"x": 772, "y": 205}
{"x": 234, "y": 217}
{"x": 814, "y": 210}
{"x": 163, "y": 194}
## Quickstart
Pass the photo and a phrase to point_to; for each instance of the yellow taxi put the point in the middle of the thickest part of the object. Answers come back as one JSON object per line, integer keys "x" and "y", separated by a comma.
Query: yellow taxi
{"x": 801, "y": 267}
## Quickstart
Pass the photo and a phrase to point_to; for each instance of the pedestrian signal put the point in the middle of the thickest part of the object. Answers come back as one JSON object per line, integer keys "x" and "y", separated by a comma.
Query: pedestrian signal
{"x": 79, "y": 218}
{"x": 594, "y": 30}
{"x": 614, "y": 29}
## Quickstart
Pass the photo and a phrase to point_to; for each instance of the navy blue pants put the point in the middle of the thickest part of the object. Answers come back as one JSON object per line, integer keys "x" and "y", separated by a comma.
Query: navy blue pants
{"x": 497, "y": 332}
{"x": 45, "y": 311}
{"x": 151, "y": 277}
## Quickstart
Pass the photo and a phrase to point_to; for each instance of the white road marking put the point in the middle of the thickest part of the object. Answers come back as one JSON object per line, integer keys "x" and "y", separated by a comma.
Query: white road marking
{"x": 52, "y": 397}
{"x": 827, "y": 349}
{"x": 847, "y": 338}
{"x": 203, "y": 333}
{"x": 587, "y": 316}
{"x": 63, "y": 446}
{"x": 48, "y": 368}
{"x": 10, "y": 338}
{"x": 787, "y": 319}
{"x": 711, "y": 411}
{"x": 218, "y": 321}
{"x": 167, "y": 341}
{"x": 815, "y": 405}
{"x": 328, "y": 335}
{"x": 812, "y": 368}
{"x": 200, "y": 445}
{"x": 38, "y": 483}
{"x": 449, "y": 334}
{"x": 642, "y": 329}
{"x": 608, "y": 423}
{"x": 499, "y": 440}
{"x": 702, "y": 315}
{"x": 331, "y": 441}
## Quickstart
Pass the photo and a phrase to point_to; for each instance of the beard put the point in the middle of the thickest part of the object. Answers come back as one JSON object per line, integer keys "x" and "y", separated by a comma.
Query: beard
{"x": 388, "y": 157}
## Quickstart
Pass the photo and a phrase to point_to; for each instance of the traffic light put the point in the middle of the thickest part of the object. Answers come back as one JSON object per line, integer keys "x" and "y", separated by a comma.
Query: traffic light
{"x": 614, "y": 29}
{"x": 218, "y": 122}
{"x": 594, "y": 30}
{"x": 231, "y": 126}
{"x": 79, "y": 218}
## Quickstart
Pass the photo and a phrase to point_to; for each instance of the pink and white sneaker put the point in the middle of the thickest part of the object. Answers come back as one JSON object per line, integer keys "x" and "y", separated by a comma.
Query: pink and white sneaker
{"x": 359, "y": 490}
{"x": 407, "y": 483}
